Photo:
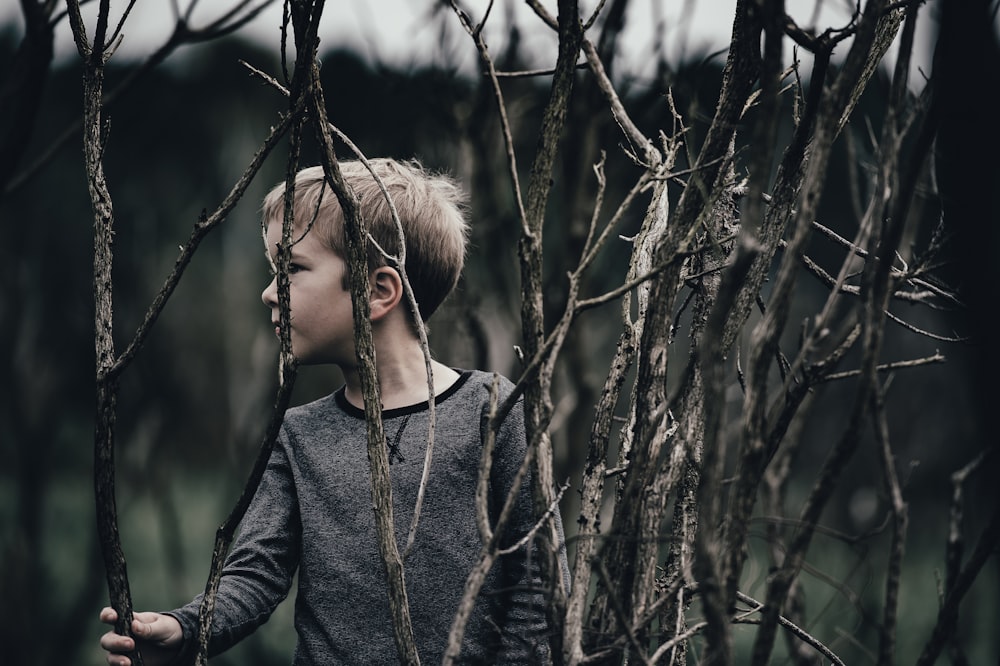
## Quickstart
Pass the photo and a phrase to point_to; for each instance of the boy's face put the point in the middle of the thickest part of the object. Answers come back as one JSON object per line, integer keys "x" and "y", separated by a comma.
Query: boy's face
{"x": 322, "y": 326}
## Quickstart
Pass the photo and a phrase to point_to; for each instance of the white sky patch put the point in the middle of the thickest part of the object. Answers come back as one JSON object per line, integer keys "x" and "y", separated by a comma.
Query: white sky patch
{"x": 409, "y": 32}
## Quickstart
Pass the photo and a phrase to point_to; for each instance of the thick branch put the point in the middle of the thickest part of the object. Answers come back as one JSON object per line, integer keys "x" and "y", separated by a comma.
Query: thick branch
{"x": 356, "y": 238}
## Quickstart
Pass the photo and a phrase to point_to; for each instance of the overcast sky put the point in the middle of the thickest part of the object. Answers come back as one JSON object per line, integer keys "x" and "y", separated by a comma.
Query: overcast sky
{"x": 399, "y": 31}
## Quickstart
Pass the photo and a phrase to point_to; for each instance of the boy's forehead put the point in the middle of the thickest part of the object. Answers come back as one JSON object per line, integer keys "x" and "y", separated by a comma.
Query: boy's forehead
{"x": 301, "y": 236}
{"x": 277, "y": 218}
{"x": 274, "y": 224}
{"x": 272, "y": 236}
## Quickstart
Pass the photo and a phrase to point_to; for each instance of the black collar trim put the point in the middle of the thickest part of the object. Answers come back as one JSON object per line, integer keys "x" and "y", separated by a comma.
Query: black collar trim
{"x": 357, "y": 412}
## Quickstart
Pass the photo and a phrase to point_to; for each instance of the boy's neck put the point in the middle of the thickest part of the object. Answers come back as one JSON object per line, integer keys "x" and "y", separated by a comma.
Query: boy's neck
{"x": 402, "y": 377}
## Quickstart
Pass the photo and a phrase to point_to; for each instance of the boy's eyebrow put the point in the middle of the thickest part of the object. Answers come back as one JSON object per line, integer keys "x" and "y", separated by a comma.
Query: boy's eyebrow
{"x": 293, "y": 256}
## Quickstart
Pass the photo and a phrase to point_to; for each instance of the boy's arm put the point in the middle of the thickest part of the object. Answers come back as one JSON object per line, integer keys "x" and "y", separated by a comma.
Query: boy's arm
{"x": 259, "y": 570}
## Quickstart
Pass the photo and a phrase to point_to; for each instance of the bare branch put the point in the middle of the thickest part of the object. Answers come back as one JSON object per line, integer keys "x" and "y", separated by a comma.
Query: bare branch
{"x": 798, "y": 631}
{"x": 484, "y": 55}
{"x": 963, "y": 579}
{"x": 889, "y": 628}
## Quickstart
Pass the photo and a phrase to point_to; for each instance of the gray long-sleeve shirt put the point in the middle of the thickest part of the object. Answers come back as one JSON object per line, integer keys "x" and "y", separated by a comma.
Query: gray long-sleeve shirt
{"x": 313, "y": 513}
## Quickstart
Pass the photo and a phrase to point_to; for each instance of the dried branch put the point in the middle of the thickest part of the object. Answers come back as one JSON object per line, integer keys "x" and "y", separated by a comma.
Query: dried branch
{"x": 537, "y": 404}
{"x": 642, "y": 436}
{"x": 961, "y": 580}
{"x": 532, "y": 73}
{"x": 399, "y": 263}
{"x": 107, "y": 387}
{"x": 900, "y": 522}
{"x": 490, "y": 549}
{"x": 642, "y": 146}
{"x": 621, "y": 615}
{"x": 508, "y": 139}
{"x": 596, "y": 469}
{"x": 900, "y": 274}
{"x": 799, "y": 632}
{"x": 287, "y": 366}
{"x": 356, "y": 237}
{"x": 833, "y": 466}
{"x": 525, "y": 540}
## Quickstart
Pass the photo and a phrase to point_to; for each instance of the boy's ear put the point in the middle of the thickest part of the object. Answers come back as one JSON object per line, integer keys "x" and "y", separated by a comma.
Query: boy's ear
{"x": 386, "y": 291}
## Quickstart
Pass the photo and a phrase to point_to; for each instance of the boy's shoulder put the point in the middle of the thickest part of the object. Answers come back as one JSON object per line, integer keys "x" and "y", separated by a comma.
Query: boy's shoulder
{"x": 309, "y": 414}
{"x": 484, "y": 381}
{"x": 476, "y": 386}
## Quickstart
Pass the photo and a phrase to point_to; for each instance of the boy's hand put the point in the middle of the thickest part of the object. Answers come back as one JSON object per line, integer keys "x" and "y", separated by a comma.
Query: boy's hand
{"x": 158, "y": 637}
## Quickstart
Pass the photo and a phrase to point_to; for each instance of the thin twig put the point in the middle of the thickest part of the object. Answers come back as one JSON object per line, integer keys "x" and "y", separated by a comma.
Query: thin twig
{"x": 530, "y": 534}
{"x": 798, "y": 631}
{"x": 508, "y": 138}
{"x": 885, "y": 367}
{"x": 894, "y": 569}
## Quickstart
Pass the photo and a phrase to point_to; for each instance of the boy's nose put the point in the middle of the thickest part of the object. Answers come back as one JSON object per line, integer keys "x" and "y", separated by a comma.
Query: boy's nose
{"x": 270, "y": 293}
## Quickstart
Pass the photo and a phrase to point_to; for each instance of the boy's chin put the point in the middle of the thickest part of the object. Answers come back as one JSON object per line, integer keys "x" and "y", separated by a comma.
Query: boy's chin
{"x": 309, "y": 359}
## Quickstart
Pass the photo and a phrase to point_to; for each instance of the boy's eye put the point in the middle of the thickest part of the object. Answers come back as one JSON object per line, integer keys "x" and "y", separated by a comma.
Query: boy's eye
{"x": 292, "y": 268}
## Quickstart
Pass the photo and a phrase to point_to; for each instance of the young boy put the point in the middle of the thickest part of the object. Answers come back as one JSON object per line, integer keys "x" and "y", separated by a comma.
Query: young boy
{"x": 313, "y": 511}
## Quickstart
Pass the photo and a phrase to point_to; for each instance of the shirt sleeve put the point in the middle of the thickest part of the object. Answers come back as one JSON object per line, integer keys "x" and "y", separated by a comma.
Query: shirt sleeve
{"x": 259, "y": 570}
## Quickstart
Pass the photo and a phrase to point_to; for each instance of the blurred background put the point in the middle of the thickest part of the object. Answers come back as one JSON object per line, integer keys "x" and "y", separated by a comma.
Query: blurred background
{"x": 193, "y": 405}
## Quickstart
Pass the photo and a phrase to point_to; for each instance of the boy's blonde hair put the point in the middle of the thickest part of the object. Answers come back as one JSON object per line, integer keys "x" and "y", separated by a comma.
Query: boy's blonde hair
{"x": 431, "y": 209}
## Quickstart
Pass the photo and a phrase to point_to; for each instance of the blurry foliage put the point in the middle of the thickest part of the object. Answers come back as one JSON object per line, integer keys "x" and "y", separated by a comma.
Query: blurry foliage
{"x": 192, "y": 406}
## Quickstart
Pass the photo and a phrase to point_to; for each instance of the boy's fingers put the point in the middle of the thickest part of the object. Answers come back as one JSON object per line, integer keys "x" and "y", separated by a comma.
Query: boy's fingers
{"x": 147, "y": 617}
{"x": 141, "y": 622}
{"x": 113, "y": 642}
